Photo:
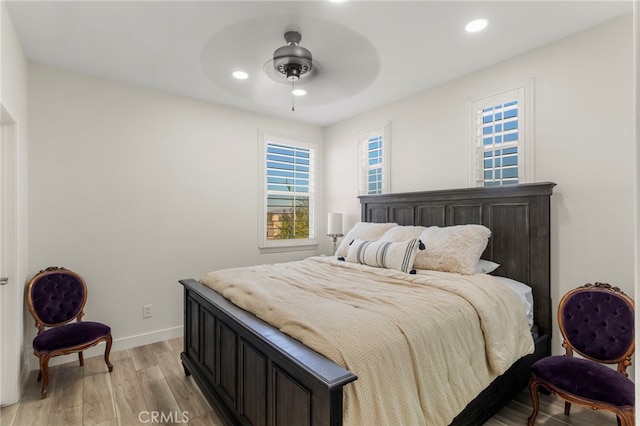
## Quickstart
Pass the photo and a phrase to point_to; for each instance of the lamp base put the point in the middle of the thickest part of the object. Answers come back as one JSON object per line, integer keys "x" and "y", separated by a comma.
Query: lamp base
{"x": 335, "y": 239}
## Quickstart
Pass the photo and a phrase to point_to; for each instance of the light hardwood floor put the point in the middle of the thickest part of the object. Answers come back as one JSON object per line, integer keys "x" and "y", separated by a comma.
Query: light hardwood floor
{"x": 150, "y": 379}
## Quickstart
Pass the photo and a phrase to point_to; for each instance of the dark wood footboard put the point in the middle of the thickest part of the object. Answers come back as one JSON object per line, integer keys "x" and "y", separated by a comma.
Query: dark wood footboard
{"x": 253, "y": 373}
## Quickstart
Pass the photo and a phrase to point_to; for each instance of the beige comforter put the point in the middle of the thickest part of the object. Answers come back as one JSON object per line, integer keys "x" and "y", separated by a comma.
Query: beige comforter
{"x": 423, "y": 346}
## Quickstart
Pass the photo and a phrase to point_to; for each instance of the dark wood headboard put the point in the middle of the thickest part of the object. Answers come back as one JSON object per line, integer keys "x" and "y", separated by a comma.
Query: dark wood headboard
{"x": 518, "y": 216}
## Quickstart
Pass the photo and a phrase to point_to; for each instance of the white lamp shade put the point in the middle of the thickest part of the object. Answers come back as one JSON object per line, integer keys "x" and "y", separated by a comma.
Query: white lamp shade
{"x": 334, "y": 224}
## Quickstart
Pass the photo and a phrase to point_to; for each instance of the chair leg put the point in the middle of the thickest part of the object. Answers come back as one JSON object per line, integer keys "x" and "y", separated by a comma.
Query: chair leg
{"x": 567, "y": 408}
{"x": 107, "y": 351}
{"x": 44, "y": 374}
{"x": 81, "y": 358}
{"x": 533, "y": 390}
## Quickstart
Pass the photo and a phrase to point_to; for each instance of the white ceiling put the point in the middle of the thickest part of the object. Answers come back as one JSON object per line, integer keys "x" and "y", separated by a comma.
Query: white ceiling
{"x": 369, "y": 53}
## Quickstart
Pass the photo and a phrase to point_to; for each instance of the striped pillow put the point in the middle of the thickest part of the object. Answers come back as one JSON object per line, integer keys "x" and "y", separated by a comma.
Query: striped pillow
{"x": 384, "y": 254}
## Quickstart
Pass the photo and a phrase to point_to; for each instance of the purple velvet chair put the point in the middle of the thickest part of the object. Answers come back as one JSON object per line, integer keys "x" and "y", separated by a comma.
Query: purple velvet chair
{"x": 597, "y": 322}
{"x": 55, "y": 297}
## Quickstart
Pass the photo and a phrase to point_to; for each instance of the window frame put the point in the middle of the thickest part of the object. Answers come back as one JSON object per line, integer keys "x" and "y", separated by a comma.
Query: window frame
{"x": 270, "y": 245}
{"x": 364, "y": 136}
{"x": 523, "y": 93}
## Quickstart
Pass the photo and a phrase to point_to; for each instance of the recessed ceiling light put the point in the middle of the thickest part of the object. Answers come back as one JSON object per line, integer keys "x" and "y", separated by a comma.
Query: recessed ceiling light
{"x": 240, "y": 75}
{"x": 476, "y": 25}
{"x": 298, "y": 92}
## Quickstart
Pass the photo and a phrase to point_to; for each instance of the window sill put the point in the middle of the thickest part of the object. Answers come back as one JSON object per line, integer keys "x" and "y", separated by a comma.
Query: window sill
{"x": 279, "y": 246}
{"x": 282, "y": 249}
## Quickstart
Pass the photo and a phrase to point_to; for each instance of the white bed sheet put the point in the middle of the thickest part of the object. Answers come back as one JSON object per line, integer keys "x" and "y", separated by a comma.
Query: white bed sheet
{"x": 524, "y": 292}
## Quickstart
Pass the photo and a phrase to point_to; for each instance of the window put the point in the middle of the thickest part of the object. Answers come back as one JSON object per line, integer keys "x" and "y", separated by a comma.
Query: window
{"x": 288, "y": 199}
{"x": 374, "y": 149}
{"x": 502, "y": 144}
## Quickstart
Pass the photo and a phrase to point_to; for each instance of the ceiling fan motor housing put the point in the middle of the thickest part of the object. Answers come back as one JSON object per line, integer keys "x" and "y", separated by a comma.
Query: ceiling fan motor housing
{"x": 292, "y": 60}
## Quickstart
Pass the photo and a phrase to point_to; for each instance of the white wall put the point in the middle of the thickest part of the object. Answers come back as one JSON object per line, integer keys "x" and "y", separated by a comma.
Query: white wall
{"x": 13, "y": 98}
{"x": 636, "y": 109}
{"x": 135, "y": 189}
{"x": 583, "y": 142}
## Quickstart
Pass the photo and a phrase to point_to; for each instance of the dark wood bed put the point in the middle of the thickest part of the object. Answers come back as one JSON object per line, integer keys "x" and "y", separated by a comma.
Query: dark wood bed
{"x": 254, "y": 374}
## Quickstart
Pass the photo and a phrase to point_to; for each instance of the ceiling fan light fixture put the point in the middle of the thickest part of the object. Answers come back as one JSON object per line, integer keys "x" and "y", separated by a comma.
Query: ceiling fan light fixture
{"x": 293, "y": 72}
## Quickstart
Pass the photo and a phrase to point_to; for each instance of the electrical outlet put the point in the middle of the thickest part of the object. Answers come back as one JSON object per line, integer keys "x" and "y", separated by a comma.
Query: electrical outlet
{"x": 146, "y": 311}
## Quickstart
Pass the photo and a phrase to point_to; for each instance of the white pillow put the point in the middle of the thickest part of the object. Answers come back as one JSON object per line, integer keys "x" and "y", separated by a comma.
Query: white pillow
{"x": 486, "y": 266}
{"x": 364, "y": 231}
{"x": 523, "y": 291}
{"x": 402, "y": 233}
{"x": 452, "y": 248}
{"x": 384, "y": 254}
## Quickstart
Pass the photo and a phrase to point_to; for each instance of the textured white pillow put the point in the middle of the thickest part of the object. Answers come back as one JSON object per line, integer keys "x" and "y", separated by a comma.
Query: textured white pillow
{"x": 486, "y": 266}
{"x": 384, "y": 254}
{"x": 452, "y": 248}
{"x": 364, "y": 231}
{"x": 402, "y": 233}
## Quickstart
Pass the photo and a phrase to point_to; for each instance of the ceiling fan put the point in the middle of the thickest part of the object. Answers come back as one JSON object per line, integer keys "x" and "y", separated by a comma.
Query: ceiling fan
{"x": 293, "y": 61}
{"x": 338, "y": 74}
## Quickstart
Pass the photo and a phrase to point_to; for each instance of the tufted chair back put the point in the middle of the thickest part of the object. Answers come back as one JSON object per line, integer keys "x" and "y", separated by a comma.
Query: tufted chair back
{"x": 55, "y": 297}
{"x": 597, "y": 323}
